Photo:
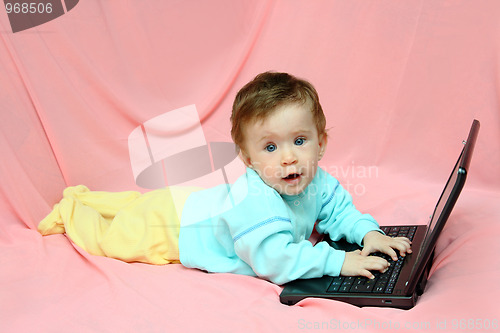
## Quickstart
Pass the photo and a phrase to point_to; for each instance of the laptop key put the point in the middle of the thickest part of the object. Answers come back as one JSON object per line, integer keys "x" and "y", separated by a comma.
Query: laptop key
{"x": 346, "y": 285}
{"x": 411, "y": 233}
{"x": 389, "y": 288}
{"x": 363, "y": 285}
{"x": 379, "y": 287}
{"x": 335, "y": 285}
{"x": 344, "y": 288}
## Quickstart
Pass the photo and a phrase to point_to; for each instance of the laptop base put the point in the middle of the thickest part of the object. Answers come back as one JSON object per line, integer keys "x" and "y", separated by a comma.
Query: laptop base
{"x": 314, "y": 288}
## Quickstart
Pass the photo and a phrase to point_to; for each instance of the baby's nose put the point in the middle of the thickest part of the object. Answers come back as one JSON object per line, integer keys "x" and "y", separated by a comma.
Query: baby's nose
{"x": 288, "y": 157}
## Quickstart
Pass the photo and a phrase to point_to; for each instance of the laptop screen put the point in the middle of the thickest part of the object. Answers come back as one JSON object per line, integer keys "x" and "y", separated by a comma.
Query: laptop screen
{"x": 447, "y": 200}
{"x": 438, "y": 219}
{"x": 438, "y": 211}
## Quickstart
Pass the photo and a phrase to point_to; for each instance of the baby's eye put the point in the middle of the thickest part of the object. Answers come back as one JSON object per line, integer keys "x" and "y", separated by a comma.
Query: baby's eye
{"x": 271, "y": 147}
{"x": 300, "y": 141}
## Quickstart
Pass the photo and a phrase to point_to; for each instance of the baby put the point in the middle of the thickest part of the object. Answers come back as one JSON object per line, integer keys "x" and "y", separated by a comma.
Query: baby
{"x": 279, "y": 126}
{"x": 260, "y": 225}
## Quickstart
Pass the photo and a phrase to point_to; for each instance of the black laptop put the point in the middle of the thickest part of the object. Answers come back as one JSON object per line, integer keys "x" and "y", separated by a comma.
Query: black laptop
{"x": 404, "y": 281}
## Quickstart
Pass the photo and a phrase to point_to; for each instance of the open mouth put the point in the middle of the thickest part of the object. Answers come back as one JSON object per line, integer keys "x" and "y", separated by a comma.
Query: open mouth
{"x": 292, "y": 176}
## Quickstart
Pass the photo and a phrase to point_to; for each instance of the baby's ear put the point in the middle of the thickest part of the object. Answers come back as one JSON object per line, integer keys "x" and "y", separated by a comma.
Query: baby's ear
{"x": 245, "y": 158}
{"x": 323, "y": 141}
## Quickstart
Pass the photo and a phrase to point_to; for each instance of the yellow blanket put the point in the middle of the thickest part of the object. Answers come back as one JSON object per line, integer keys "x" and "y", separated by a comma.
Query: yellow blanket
{"x": 128, "y": 226}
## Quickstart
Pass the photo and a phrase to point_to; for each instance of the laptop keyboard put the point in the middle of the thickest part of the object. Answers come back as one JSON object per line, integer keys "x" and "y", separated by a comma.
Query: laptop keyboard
{"x": 383, "y": 282}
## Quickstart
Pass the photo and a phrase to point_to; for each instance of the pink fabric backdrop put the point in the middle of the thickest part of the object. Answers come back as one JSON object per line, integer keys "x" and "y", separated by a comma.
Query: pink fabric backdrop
{"x": 400, "y": 82}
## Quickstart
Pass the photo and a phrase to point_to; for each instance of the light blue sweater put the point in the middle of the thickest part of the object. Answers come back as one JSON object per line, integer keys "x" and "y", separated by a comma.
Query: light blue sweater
{"x": 249, "y": 228}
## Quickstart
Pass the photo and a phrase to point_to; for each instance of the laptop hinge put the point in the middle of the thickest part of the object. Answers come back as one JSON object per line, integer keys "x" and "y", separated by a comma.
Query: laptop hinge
{"x": 422, "y": 282}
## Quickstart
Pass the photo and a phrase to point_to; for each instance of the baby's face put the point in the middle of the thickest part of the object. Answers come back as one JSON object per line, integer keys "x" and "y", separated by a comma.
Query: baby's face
{"x": 284, "y": 148}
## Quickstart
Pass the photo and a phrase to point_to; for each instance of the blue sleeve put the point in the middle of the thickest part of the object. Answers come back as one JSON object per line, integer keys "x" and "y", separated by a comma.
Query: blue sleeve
{"x": 273, "y": 255}
{"x": 263, "y": 238}
{"x": 339, "y": 218}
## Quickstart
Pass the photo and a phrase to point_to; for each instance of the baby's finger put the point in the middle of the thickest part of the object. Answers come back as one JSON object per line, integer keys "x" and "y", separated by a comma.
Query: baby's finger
{"x": 403, "y": 240}
{"x": 366, "y": 273}
{"x": 365, "y": 251}
{"x": 402, "y": 245}
{"x": 390, "y": 252}
{"x": 377, "y": 264}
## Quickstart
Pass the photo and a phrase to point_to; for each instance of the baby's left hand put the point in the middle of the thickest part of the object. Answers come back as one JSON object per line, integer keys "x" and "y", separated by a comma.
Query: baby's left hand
{"x": 375, "y": 241}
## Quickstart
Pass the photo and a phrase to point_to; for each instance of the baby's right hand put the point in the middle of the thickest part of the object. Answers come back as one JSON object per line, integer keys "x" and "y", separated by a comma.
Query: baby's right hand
{"x": 356, "y": 264}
